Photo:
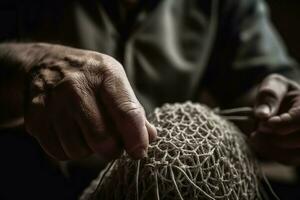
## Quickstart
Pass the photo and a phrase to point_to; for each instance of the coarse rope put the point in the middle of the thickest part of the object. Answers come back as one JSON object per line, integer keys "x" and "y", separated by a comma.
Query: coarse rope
{"x": 198, "y": 155}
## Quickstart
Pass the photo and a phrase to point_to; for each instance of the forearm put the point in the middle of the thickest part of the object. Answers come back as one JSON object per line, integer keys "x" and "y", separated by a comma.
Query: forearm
{"x": 16, "y": 59}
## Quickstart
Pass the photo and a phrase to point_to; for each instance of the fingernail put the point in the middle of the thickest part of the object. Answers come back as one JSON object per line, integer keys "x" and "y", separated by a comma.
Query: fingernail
{"x": 153, "y": 127}
{"x": 263, "y": 111}
{"x": 152, "y": 132}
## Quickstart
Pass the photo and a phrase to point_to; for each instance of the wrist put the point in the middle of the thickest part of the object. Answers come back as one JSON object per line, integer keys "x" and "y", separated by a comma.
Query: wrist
{"x": 16, "y": 60}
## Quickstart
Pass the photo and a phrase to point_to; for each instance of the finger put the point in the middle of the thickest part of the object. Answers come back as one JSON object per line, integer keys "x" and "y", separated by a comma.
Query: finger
{"x": 126, "y": 112}
{"x": 37, "y": 124}
{"x": 285, "y": 123}
{"x": 291, "y": 141}
{"x": 270, "y": 96}
{"x": 98, "y": 136}
{"x": 95, "y": 133}
{"x": 262, "y": 144}
{"x": 151, "y": 131}
{"x": 264, "y": 127}
{"x": 51, "y": 145}
{"x": 293, "y": 85}
{"x": 98, "y": 139}
{"x": 35, "y": 115}
{"x": 131, "y": 124}
{"x": 71, "y": 138}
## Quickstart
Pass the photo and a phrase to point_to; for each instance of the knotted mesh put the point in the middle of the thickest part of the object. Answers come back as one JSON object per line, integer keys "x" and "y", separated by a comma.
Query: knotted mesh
{"x": 198, "y": 155}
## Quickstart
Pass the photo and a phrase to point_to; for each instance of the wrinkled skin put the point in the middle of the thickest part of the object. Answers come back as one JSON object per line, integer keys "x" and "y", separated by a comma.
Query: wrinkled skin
{"x": 80, "y": 102}
{"x": 278, "y": 113}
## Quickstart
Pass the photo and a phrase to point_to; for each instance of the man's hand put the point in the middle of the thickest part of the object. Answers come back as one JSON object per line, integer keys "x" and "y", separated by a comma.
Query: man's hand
{"x": 80, "y": 102}
{"x": 278, "y": 112}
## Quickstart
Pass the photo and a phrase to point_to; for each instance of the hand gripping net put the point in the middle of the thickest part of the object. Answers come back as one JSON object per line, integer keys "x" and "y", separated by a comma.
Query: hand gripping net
{"x": 198, "y": 155}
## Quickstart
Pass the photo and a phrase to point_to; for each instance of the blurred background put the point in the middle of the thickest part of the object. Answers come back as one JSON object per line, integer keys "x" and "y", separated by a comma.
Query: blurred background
{"x": 285, "y": 180}
{"x": 285, "y": 15}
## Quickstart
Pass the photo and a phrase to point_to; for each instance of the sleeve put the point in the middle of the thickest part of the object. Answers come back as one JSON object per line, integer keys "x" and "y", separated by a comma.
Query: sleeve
{"x": 247, "y": 49}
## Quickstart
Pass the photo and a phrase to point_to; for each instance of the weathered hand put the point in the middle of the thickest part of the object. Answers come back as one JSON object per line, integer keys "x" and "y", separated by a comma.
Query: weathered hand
{"x": 278, "y": 112}
{"x": 80, "y": 102}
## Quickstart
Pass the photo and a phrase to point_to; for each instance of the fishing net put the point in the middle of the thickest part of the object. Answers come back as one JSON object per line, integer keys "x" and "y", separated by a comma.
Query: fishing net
{"x": 198, "y": 155}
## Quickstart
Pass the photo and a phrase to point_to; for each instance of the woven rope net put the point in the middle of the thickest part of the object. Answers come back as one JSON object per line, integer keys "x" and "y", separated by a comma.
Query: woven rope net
{"x": 198, "y": 155}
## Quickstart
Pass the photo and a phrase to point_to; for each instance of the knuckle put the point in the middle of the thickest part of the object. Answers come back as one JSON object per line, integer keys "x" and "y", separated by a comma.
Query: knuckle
{"x": 110, "y": 61}
{"x": 110, "y": 73}
{"x": 274, "y": 86}
{"x": 111, "y": 67}
{"x": 74, "y": 79}
{"x": 74, "y": 61}
{"x": 96, "y": 68}
{"x": 276, "y": 77}
{"x": 266, "y": 92}
{"x": 75, "y": 87}
{"x": 131, "y": 109}
{"x": 103, "y": 68}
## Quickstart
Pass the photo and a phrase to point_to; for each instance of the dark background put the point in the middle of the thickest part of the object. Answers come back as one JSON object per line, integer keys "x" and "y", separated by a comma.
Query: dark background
{"x": 285, "y": 15}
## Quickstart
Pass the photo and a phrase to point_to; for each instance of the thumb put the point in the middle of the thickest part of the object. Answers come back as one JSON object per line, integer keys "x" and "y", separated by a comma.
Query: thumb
{"x": 152, "y": 132}
{"x": 270, "y": 95}
{"x": 125, "y": 111}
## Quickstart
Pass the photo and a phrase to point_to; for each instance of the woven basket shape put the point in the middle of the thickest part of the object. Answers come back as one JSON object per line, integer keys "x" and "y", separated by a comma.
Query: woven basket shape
{"x": 198, "y": 155}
